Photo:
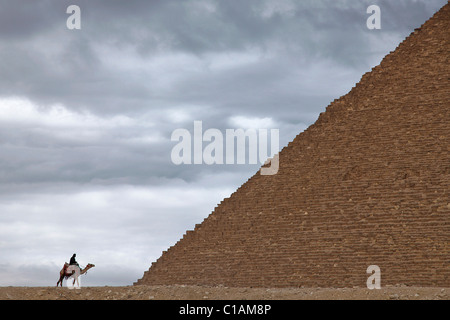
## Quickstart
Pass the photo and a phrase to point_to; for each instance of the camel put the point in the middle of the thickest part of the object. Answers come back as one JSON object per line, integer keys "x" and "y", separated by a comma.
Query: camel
{"x": 72, "y": 270}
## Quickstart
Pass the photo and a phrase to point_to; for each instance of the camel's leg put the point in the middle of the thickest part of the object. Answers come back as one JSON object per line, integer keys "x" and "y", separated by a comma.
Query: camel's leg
{"x": 60, "y": 280}
{"x": 78, "y": 283}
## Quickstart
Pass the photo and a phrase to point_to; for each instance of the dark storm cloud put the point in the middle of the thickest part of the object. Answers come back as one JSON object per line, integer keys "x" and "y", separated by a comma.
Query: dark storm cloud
{"x": 18, "y": 22}
{"x": 45, "y": 61}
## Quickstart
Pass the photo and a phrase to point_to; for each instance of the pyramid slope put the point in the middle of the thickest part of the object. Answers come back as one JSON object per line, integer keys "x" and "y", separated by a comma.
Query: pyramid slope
{"x": 367, "y": 184}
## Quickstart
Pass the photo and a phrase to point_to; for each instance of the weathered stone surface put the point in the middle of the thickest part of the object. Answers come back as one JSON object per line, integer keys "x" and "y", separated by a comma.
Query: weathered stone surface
{"x": 367, "y": 184}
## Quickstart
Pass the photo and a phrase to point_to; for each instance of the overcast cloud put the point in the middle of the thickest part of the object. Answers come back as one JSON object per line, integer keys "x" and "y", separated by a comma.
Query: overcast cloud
{"x": 86, "y": 115}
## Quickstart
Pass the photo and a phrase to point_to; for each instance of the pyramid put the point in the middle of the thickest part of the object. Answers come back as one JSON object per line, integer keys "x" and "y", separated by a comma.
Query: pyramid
{"x": 367, "y": 184}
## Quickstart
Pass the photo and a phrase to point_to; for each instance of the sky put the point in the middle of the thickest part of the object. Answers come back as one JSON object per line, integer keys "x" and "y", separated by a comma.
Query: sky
{"x": 86, "y": 115}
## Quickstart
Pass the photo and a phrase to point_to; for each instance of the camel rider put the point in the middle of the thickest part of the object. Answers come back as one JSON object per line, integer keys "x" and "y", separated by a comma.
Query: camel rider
{"x": 73, "y": 261}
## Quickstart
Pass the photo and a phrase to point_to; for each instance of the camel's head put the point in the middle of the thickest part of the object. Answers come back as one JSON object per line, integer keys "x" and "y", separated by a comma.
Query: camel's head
{"x": 90, "y": 265}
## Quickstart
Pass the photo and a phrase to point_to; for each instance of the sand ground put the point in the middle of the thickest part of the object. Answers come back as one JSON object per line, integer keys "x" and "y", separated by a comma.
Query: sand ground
{"x": 184, "y": 292}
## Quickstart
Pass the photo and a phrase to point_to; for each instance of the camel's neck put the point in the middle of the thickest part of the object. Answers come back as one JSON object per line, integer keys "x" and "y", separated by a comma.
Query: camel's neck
{"x": 83, "y": 271}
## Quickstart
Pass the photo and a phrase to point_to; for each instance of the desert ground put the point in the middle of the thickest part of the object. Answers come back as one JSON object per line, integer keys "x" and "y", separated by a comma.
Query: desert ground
{"x": 184, "y": 292}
